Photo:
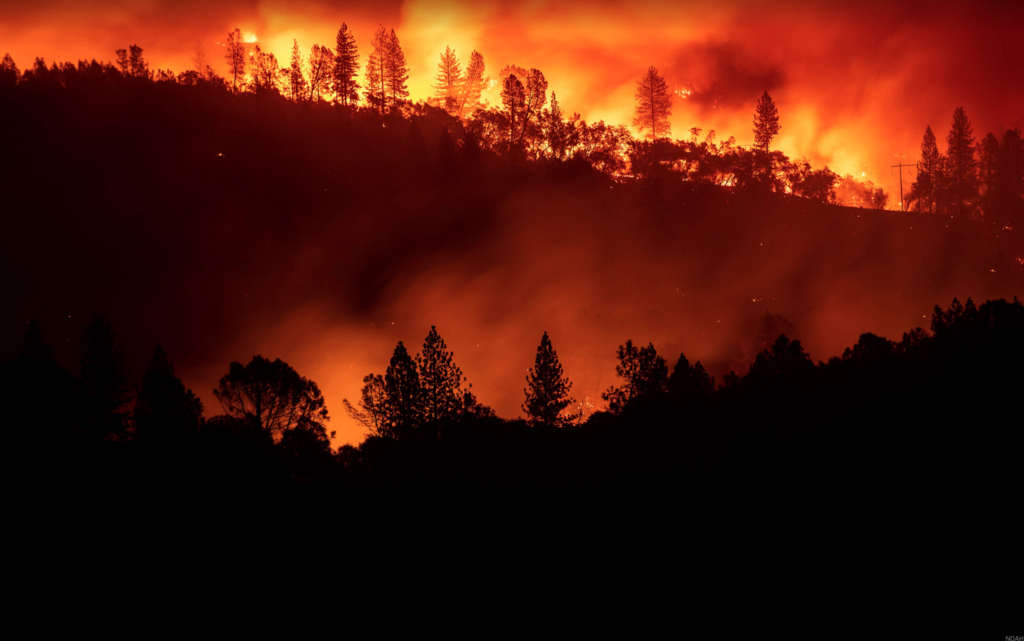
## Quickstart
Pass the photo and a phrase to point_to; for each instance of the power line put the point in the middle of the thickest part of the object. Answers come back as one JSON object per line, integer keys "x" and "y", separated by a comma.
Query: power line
{"x": 915, "y": 166}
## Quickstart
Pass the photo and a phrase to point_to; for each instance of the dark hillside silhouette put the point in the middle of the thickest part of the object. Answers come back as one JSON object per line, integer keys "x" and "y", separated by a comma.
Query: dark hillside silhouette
{"x": 198, "y": 218}
{"x": 875, "y": 421}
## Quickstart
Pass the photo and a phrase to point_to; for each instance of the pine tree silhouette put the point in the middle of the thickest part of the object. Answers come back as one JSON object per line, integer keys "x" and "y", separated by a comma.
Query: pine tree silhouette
{"x": 448, "y": 81}
{"x": 403, "y": 393}
{"x": 643, "y": 373}
{"x": 165, "y": 409}
{"x": 653, "y": 106}
{"x": 104, "y": 381}
{"x": 766, "y": 122}
{"x": 440, "y": 379}
{"x": 547, "y": 393}
{"x": 962, "y": 166}
{"x": 690, "y": 382}
{"x": 346, "y": 68}
{"x": 32, "y": 346}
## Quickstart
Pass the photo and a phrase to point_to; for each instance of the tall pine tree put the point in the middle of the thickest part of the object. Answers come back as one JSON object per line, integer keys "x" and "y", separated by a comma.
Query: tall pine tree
{"x": 643, "y": 374}
{"x": 376, "y": 70}
{"x": 296, "y": 79}
{"x": 8, "y": 72}
{"x": 547, "y": 392}
{"x": 440, "y": 380}
{"x": 922, "y": 190}
{"x": 165, "y": 409}
{"x": 448, "y": 81}
{"x": 472, "y": 85}
{"x": 961, "y": 165}
{"x": 403, "y": 393}
{"x": 346, "y": 68}
{"x": 653, "y": 106}
{"x": 690, "y": 381}
{"x": 104, "y": 381}
{"x": 766, "y": 122}
{"x": 513, "y": 98}
{"x": 396, "y": 72}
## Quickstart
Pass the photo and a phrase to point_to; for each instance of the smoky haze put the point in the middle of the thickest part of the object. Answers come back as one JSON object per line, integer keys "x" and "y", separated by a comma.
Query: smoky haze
{"x": 222, "y": 240}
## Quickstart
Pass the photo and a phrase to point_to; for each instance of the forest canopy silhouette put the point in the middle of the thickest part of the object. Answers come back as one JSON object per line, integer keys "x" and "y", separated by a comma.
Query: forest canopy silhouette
{"x": 233, "y": 264}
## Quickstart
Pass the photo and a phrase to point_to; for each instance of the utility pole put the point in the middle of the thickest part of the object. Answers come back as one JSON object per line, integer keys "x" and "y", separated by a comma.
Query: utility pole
{"x": 915, "y": 166}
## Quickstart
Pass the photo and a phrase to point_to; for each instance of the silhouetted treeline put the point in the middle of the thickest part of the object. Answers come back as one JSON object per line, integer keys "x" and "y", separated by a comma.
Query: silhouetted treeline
{"x": 529, "y": 126}
{"x": 939, "y": 407}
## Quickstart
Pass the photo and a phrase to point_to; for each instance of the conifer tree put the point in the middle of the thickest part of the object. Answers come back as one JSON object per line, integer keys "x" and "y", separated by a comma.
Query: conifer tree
{"x": 296, "y": 79}
{"x": 346, "y": 68}
{"x": 472, "y": 85}
{"x": 403, "y": 393}
{"x": 653, "y": 106}
{"x": 397, "y": 72}
{"x": 513, "y": 97}
{"x": 265, "y": 71}
{"x": 448, "y": 81}
{"x": 962, "y": 166}
{"x": 104, "y": 380}
{"x": 547, "y": 393}
{"x": 32, "y": 346}
{"x": 643, "y": 373}
{"x": 555, "y": 129}
{"x": 440, "y": 380}
{"x": 1007, "y": 199}
{"x": 235, "y": 55}
{"x": 766, "y": 122}
{"x": 122, "y": 61}
{"x": 922, "y": 190}
{"x": 8, "y": 72}
{"x": 200, "y": 59}
{"x": 536, "y": 97}
{"x": 690, "y": 381}
{"x": 165, "y": 409}
{"x": 988, "y": 167}
{"x": 376, "y": 70}
{"x": 137, "y": 65}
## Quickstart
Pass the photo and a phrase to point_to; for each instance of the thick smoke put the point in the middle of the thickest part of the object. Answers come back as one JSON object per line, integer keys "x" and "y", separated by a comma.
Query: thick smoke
{"x": 855, "y": 88}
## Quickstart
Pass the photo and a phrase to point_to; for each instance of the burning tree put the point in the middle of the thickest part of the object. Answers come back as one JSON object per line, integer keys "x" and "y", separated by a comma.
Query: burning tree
{"x": 472, "y": 85}
{"x": 448, "y": 81}
{"x": 386, "y": 71}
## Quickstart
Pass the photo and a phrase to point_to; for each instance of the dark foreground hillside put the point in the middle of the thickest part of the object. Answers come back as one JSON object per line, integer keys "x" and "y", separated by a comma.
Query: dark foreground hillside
{"x": 933, "y": 419}
{"x": 221, "y": 226}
